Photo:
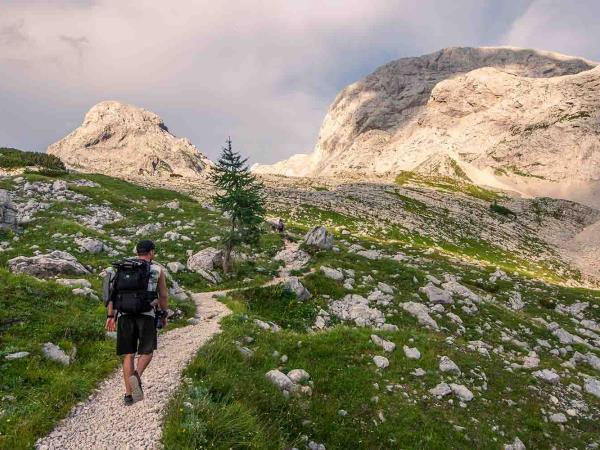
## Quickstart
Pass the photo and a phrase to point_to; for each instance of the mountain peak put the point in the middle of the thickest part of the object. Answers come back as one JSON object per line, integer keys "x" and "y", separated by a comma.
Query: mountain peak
{"x": 116, "y": 136}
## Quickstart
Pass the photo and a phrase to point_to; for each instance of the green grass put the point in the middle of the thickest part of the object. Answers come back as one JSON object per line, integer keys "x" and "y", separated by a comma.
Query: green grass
{"x": 228, "y": 403}
{"x": 32, "y": 313}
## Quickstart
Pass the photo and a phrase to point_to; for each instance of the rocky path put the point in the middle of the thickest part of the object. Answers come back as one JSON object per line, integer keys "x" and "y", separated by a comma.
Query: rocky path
{"x": 102, "y": 422}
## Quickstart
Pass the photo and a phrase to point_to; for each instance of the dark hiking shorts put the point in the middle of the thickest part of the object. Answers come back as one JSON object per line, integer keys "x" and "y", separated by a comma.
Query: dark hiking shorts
{"x": 136, "y": 334}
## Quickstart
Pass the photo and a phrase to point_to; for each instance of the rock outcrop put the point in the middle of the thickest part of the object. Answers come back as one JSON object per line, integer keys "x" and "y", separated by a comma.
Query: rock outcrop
{"x": 511, "y": 118}
{"x": 44, "y": 266}
{"x": 120, "y": 138}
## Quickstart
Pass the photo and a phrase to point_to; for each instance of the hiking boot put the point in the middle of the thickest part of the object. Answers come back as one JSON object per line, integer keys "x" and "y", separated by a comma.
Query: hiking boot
{"x": 136, "y": 387}
{"x": 128, "y": 400}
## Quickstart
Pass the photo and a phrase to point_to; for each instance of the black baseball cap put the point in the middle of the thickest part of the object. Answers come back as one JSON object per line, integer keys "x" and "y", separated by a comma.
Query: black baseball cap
{"x": 144, "y": 246}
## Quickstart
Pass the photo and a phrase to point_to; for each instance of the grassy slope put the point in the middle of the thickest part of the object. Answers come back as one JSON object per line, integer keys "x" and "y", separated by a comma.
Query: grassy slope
{"x": 228, "y": 403}
{"x": 34, "y": 312}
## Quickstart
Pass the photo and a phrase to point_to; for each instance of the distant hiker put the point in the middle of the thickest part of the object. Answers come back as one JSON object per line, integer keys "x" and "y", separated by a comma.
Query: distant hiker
{"x": 280, "y": 225}
{"x": 136, "y": 299}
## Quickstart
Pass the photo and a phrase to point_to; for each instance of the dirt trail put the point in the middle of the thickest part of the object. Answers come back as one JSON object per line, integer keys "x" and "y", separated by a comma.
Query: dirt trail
{"x": 102, "y": 422}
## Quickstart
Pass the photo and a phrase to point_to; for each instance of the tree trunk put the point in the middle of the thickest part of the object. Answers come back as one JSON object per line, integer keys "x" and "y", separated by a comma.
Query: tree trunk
{"x": 227, "y": 258}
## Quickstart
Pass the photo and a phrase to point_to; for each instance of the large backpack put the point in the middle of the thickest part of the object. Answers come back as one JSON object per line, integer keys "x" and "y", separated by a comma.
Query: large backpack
{"x": 130, "y": 293}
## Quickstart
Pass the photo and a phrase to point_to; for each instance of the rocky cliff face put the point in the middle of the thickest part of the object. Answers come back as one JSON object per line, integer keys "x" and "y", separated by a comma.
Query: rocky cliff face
{"x": 120, "y": 139}
{"x": 502, "y": 115}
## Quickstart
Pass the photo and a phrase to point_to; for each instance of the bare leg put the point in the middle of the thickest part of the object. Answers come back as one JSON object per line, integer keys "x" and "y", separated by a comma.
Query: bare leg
{"x": 127, "y": 371}
{"x": 142, "y": 363}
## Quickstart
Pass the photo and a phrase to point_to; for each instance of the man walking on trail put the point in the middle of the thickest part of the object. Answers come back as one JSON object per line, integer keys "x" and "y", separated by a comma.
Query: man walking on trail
{"x": 137, "y": 300}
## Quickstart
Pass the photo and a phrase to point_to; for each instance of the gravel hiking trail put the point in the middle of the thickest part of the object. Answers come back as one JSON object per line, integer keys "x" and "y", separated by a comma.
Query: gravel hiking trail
{"x": 103, "y": 422}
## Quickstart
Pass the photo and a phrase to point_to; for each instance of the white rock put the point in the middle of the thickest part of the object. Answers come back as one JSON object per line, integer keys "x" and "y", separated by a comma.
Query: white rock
{"x": 592, "y": 386}
{"x": 387, "y": 346}
{"x": 294, "y": 285}
{"x": 298, "y": 375}
{"x": 449, "y": 366}
{"x": 55, "y": 353}
{"x": 558, "y": 418}
{"x": 381, "y": 361}
{"x": 281, "y": 380}
{"x": 90, "y": 245}
{"x": 334, "y": 274}
{"x": 411, "y": 352}
{"x": 385, "y": 288}
{"x": 547, "y": 375}
{"x": 461, "y": 392}
{"x": 441, "y": 390}
{"x": 206, "y": 259}
{"x": 17, "y": 355}
{"x": 319, "y": 237}
{"x": 78, "y": 282}
{"x": 437, "y": 295}
{"x": 175, "y": 266}
{"x": 421, "y": 312}
{"x": 516, "y": 445}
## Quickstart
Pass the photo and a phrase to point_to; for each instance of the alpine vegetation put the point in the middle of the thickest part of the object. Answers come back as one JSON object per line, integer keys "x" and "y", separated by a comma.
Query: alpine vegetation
{"x": 240, "y": 197}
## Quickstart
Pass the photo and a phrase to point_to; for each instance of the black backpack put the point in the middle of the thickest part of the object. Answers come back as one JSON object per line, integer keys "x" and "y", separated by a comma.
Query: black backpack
{"x": 130, "y": 293}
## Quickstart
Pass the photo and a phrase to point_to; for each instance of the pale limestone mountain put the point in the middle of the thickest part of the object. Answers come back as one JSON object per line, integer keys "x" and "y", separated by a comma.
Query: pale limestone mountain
{"x": 120, "y": 139}
{"x": 517, "y": 119}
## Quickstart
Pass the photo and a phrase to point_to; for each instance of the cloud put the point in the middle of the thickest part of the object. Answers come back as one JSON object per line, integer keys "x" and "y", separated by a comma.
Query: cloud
{"x": 571, "y": 27}
{"x": 262, "y": 71}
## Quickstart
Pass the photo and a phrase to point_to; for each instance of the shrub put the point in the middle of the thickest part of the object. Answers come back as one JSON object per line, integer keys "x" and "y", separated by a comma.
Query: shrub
{"x": 11, "y": 157}
{"x": 495, "y": 207}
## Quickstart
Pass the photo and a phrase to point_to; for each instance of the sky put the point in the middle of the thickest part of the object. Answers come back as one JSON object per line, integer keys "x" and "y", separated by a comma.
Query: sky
{"x": 263, "y": 72}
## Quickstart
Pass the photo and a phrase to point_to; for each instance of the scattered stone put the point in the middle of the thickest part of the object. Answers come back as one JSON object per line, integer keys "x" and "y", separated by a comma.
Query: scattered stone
{"x": 381, "y": 361}
{"x": 449, "y": 366}
{"x": 516, "y": 445}
{"x": 90, "y": 245}
{"x": 298, "y": 375}
{"x": 44, "y": 266}
{"x": 356, "y": 308}
{"x": 17, "y": 355}
{"x": 461, "y": 392}
{"x": 74, "y": 282}
{"x": 421, "y": 312}
{"x": 55, "y": 353}
{"x": 281, "y": 380}
{"x": 387, "y": 346}
{"x": 558, "y": 418}
{"x": 293, "y": 284}
{"x": 437, "y": 295}
{"x": 515, "y": 302}
{"x": 411, "y": 353}
{"x": 207, "y": 259}
{"x": 334, "y": 274}
{"x": 592, "y": 386}
{"x": 547, "y": 375}
{"x": 319, "y": 237}
{"x": 441, "y": 390}
{"x": 385, "y": 288}
{"x": 175, "y": 267}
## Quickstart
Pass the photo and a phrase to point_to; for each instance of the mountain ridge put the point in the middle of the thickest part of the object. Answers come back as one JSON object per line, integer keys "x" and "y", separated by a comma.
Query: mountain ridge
{"x": 480, "y": 106}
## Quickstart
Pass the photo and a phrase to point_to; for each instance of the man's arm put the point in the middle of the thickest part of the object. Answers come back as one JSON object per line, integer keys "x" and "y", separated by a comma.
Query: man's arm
{"x": 163, "y": 293}
{"x": 110, "y": 317}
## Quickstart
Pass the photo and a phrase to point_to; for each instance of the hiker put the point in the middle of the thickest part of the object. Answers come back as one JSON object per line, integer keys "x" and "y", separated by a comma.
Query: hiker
{"x": 136, "y": 299}
{"x": 280, "y": 226}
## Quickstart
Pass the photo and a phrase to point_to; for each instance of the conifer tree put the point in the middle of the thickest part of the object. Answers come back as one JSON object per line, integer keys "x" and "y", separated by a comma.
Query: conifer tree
{"x": 240, "y": 197}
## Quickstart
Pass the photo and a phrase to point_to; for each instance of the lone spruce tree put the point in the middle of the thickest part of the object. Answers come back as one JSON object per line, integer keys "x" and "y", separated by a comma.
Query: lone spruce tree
{"x": 240, "y": 196}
